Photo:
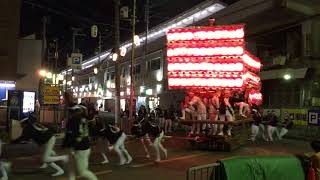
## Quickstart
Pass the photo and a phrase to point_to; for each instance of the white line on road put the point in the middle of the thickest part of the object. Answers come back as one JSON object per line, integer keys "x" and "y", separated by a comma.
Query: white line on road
{"x": 168, "y": 160}
{"x": 142, "y": 165}
{"x": 183, "y": 157}
{"x": 103, "y": 172}
{"x": 96, "y": 173}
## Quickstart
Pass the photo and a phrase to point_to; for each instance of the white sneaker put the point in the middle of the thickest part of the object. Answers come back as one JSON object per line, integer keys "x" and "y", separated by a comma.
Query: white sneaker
{"x": 122, "y": 163}
{"x": 221, "y": 134}
{"x": 59, "y": 173}
{"x": 243, "y": 115}
{"x": 66, "y": 159}
{"x": 129, "y": 160}
{"x": 110, "y": 148}
{"x": 229, "y": 133}
{"x": 7, "y": 166}
{"x": 165, "y": 154}
{"x": 148, "y": 156}
{"x": 43, "y": 166}
{"x": 106, "y": 161}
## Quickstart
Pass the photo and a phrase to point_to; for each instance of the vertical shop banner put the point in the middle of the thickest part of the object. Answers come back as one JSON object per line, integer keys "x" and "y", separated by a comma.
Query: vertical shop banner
{"x": 298, "y": 116}
{"x": 51, "y": 94}
{"x": 314, "y": 117}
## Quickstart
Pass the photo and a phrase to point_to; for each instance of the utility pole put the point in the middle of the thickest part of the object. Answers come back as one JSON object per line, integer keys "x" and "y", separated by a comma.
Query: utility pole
{"x": 132, "y": 67}
{"x": 44, "y": 40}
{"x": 56, "y": 55}
{"x": 116, "y": 35}
{"x": 100, "y": 42}
{"x": 75, "y": 33}
{"x": 145, "y": 49}
{"x": 43, "y": 54}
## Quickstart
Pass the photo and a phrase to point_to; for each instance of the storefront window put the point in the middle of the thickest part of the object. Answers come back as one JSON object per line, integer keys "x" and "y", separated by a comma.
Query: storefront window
{"x": 154, "y": 64}
{"x": 138, "y": 69}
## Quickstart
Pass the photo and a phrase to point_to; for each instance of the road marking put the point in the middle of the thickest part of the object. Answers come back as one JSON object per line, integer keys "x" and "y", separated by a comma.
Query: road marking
{"x": 182, "y": 158}
{"x": 132, "y": 136}
{"x": 130, "y": 141}
{"x": 25, "y": 158}
{"x": 142, "y": 165}
{"x": 168, "y": 160}
{"x": 96, "y": 173}
{"x": 102, "y": 172}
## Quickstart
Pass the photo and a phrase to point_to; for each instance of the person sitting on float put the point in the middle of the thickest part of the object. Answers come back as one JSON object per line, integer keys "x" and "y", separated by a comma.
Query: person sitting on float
{"x": 201, "y": 112}
{"x": 226, "y": 112}
{"x": 239, "y": 100}
{"x": 213, "y": 110}
{"x": 185, "y": 107}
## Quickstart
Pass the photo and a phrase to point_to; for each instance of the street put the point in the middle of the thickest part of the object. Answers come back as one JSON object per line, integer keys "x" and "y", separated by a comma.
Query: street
{"x": 181, "y": 157}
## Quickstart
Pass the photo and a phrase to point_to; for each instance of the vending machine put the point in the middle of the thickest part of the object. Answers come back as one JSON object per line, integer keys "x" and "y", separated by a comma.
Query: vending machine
{"x": 20, "y": 104}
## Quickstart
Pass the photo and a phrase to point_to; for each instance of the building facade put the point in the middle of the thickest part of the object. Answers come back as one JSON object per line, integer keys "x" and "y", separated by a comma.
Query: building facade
{"x": 284, "y": 34}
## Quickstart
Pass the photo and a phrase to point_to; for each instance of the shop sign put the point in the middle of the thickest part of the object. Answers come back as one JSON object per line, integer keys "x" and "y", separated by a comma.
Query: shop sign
{"x": 298, "y": 116}
{"x": 51, "y": 94}
{"x": 314, "y": 117}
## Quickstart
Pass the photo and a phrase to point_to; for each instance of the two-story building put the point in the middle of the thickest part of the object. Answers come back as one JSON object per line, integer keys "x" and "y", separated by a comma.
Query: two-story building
{"x": 284, "y": 34}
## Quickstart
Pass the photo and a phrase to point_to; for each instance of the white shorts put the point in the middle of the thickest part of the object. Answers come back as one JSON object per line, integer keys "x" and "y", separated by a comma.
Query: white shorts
{"x": 202, "y": 117}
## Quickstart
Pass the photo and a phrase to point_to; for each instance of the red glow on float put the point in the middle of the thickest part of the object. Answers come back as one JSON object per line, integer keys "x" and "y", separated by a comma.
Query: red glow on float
{"x": 255, "y": 98}
{"x": 251, "y": 61}
{"x": 210, "y": 57}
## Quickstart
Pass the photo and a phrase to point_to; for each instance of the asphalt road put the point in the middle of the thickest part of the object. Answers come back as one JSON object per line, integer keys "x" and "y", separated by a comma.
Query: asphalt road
{"x": 181, "y": 157}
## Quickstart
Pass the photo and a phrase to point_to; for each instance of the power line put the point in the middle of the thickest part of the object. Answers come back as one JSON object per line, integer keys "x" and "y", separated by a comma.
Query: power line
{"x": 71, "y": 15}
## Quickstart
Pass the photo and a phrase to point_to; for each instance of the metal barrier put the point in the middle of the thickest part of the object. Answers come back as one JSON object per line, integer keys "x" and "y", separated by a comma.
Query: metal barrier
{"x": 51, "y": 114}
{"x": 203, "y": 172}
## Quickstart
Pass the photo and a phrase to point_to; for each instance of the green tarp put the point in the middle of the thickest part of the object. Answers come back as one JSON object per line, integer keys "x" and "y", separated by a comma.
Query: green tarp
{"x": 260, "y": 168}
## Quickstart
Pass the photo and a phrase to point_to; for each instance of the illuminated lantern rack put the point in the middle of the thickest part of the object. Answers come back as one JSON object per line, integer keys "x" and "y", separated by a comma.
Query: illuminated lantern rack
{"x": 212, "y": 57}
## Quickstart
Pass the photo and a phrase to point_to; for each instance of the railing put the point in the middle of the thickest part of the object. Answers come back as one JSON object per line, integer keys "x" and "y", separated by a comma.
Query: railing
{"x": 51, "y": 115}
{"x": 203, "y": 172}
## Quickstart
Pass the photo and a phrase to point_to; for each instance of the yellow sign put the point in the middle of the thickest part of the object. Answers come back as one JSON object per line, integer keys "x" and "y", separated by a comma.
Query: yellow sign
{"x": 298, "y": 116}
{"x": 51, "y": 94}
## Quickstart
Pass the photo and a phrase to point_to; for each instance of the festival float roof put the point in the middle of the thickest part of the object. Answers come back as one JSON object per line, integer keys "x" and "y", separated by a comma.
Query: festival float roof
{"x": 210, "y": 57}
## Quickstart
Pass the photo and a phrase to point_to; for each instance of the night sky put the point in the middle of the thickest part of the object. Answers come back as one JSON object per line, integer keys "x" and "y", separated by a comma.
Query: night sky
{"x": 65, "y": 14}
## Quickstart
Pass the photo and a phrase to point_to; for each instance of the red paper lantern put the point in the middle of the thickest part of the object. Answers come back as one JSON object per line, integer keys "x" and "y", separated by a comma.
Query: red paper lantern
{"x": 255, "y": 97}
{"x": 210, "y": 57}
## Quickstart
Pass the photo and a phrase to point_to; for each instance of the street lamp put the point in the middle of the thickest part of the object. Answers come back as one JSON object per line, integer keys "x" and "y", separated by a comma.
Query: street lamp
{"x": 136, "y": 40}
{"x": 43, "y": 73}
{"x": 114, "y": 56}
{"x": 123, "y": 51}
{"x": 49, "y": 75}
{"x": 287, "y": 77}
{"x": 95, "y": 70}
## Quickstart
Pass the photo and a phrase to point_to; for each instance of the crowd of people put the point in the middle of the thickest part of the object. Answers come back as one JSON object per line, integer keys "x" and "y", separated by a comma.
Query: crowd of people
{"x": 226, "y": 106}
{"x": 166, "y": 118}
{"x": 270, "y": 125}
{"x": 82, "y": 126}
{"x": 214, "y": 106}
